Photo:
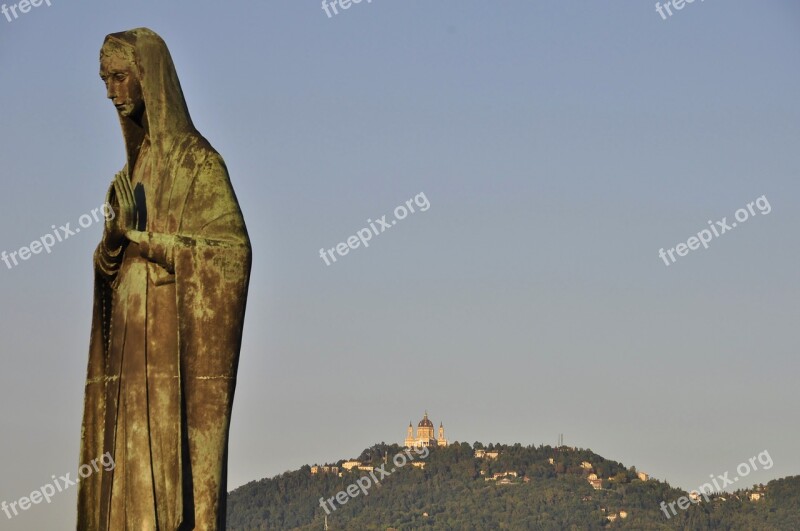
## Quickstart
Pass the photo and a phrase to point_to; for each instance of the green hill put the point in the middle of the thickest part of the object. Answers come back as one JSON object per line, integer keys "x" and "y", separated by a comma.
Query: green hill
{"x": 520, "y": 488}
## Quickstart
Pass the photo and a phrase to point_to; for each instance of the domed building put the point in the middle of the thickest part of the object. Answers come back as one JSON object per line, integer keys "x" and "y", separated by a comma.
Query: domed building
{"x": 425, "y": 436}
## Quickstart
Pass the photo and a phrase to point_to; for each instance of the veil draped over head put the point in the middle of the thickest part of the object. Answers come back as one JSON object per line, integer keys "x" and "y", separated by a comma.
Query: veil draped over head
{"x": 167, "y": 113}
{"x": 196, "y": 238}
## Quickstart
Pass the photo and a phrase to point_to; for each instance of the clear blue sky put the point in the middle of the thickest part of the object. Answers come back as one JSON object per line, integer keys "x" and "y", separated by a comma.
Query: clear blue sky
{"x": 560, "y": 144}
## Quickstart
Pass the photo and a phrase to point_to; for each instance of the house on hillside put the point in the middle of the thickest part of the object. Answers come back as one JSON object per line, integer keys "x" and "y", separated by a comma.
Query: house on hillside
{"x": 316, "y": 469}
{"x": 349, "y": 465}
{"x": 502, "y": 475}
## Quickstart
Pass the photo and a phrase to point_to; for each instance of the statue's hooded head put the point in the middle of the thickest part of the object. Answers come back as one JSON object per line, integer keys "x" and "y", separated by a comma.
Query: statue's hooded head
{"x": 143, "y": 85}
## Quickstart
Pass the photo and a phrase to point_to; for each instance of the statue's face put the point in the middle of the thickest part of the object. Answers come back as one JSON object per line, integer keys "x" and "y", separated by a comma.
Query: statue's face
{"x": 122, "y": 85}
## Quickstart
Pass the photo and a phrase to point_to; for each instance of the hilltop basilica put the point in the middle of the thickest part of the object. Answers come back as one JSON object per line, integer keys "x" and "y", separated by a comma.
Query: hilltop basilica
{"x": 424, "y": 434}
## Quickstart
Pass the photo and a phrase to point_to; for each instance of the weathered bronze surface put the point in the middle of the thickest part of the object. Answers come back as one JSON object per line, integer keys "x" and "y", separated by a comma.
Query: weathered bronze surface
{"x": 171, "y": 279}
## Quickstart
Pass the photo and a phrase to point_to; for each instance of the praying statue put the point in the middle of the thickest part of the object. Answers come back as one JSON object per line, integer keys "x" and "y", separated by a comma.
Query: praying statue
{"x": 171, "y": 275}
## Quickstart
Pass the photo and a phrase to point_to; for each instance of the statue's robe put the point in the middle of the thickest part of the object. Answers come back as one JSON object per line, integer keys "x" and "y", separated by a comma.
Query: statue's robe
{"x": 167, "y": 325}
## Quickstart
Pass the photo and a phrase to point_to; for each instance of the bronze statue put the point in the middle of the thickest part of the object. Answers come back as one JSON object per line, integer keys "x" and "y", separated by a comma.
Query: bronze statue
{"x": 171, "y": 279}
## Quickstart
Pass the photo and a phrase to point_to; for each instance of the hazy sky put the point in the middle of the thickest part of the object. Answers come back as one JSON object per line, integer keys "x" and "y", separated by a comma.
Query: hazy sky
{"x": 560, "y": 144}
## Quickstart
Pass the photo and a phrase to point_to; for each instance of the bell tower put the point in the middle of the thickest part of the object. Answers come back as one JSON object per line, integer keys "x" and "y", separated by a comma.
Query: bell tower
{"x": 441, "y": 441}
{"x": 410, "y": 435}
